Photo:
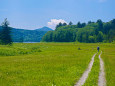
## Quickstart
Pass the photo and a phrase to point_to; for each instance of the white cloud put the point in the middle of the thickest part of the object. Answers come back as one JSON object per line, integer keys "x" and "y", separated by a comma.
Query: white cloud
{"x": 52, "y": 24}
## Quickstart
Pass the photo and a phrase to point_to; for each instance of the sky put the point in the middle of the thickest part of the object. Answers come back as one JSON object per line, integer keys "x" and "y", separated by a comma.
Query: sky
{"x": 34, "y": 14}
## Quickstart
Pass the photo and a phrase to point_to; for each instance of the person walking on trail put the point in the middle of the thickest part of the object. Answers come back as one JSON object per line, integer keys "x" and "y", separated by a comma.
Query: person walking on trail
{"x": 98, "y": 48}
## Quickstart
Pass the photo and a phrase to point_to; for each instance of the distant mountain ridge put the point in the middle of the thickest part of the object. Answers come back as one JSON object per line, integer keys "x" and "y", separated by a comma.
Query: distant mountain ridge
{"x": 44, "y": 29}
{"x": 23, "y": 35}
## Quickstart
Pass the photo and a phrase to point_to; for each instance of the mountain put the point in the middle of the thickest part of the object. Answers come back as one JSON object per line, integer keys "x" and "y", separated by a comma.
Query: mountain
{"x": 22, "y": 35}
{"x": 44, "y": 29}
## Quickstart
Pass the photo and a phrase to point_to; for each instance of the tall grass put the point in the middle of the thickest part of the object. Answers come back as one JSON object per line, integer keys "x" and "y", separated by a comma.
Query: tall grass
{"x": 14, "y": 50}
{"x": 60, "y": 64}
{"x": 108, "y": 56}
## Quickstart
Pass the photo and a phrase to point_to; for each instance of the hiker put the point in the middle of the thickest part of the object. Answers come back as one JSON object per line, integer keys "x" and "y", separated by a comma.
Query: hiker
{"x": 98, "y": 48}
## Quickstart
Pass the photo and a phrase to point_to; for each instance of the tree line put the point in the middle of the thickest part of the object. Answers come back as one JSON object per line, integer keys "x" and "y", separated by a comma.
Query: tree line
{"x": 90, "y": 32}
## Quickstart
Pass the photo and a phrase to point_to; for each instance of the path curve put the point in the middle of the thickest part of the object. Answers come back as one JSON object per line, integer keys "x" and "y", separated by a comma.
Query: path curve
{"x": 102, "y": 80}
{"x": 85, "y": 74}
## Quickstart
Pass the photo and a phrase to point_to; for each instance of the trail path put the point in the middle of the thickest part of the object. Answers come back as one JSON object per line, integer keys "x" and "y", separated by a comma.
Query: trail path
{"x": 102, "y": 80}
{"x": 85, "y": 74}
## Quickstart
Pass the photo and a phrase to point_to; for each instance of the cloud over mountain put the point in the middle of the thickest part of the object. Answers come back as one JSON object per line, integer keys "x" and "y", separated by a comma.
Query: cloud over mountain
{"x": 53, "y": 22}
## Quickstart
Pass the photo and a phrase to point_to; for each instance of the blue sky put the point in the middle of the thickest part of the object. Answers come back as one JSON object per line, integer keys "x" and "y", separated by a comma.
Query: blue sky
{"x": 33, "y": 14}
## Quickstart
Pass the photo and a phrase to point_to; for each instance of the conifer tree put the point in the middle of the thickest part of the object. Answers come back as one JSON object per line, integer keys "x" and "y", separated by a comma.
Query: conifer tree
{"x": 6, "y": 33}
{"x": 70, "y": 23}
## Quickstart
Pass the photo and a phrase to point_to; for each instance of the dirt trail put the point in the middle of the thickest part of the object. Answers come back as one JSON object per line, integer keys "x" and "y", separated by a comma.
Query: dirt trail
{"x": 102, "y": 80}
{"x": 85, "y": 74}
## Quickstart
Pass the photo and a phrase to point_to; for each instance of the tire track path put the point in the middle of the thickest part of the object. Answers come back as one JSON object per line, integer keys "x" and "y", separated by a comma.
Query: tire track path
{"x": 102, "y": 80}
{"x": 85, "y": 74}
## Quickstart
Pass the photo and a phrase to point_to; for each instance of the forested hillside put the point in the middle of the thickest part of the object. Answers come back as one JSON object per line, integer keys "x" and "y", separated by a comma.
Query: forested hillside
{"x": 90, "y": 32}
{"x": 22, "y": 35}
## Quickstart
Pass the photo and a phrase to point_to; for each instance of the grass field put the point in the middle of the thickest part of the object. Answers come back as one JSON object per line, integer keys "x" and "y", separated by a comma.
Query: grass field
{"x": 109, "y": 60}
{"x": 92, "y": 79}
{"x": 47, "y": 64}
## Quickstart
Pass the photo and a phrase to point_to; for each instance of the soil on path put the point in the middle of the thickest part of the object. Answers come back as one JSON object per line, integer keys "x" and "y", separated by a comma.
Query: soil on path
{"x": 85, "y": 74}
{"x": 102, "y": 80}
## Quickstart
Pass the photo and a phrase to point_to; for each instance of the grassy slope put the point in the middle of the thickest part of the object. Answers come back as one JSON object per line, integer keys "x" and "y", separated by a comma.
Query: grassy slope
{"x": 108, "y": 56}
{"x": 60, "y": 64}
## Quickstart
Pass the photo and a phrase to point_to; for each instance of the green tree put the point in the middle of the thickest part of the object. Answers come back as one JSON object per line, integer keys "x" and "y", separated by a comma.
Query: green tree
{"x": 70, "y": 23}
{"x": 79, "y": 25}
{"x": 100, "y": 37}
{"x": 6, "y": 33}
{"x": 59, "y": 25}
{"x": 64, "y": 24}
{"x": 106, "y": 27}
{"x": 91, "y": 39}
{"x": 83, "y": 24}
{"x": 111, "y": 35}
{"x": 113, "y": 22}
{"x": 89, "y": 22}
{"x": 100, "y": 25}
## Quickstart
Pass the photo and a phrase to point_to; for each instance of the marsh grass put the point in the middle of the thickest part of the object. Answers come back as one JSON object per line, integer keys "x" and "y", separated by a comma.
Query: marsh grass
{"x": 14, "y": 50}
{"x": 60, "y": 64}
{"x": 108, "y": 57}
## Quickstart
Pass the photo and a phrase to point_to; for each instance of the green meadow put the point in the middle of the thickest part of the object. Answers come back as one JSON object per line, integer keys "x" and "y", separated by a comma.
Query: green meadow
{"x": 92, "y": 79}
{"x": 53, "y": 64}
{"x": 109, "y": 60}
